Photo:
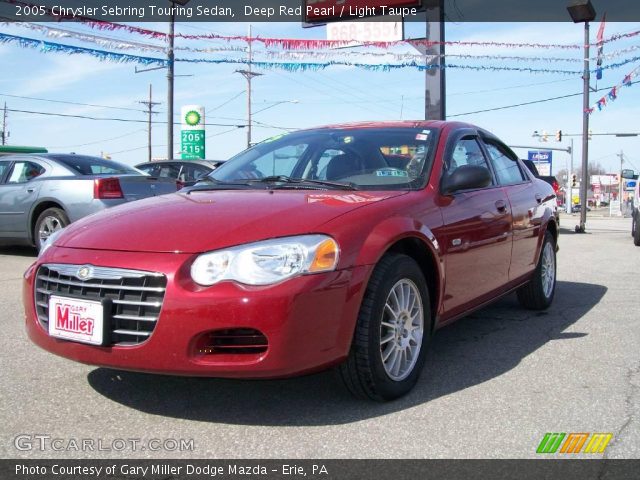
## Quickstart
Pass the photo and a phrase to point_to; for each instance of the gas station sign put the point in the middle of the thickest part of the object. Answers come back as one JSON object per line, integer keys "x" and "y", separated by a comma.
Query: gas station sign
{"x": 192, "y": 135}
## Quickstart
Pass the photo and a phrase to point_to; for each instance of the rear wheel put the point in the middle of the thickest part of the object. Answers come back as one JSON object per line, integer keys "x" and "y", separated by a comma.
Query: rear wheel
{"x": 633, "y": 225}
{"x": 538, "y": 293}
{"x": 393, "y": 329}
{"x": 636, "y": 231}
{"x": 49, "y": 221}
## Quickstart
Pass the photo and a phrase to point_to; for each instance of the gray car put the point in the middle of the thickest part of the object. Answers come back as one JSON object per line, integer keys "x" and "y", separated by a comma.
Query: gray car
{"x": 42, "y": 193}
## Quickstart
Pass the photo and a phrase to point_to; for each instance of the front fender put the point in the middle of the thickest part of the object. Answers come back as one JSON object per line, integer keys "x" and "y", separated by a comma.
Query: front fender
{"x": 391, "y": 232}
{"x": 548, "y": 217}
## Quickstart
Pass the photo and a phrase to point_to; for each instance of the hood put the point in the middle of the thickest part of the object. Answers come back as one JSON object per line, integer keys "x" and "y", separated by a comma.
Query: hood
{"x": 203, "y": 221}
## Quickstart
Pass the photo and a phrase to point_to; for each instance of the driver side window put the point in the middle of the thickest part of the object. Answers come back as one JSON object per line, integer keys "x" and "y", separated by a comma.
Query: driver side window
{"x": 467, "y": 151}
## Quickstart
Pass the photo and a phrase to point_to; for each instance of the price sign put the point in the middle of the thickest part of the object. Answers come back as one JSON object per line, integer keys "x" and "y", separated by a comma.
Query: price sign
{"x": 193, "y": 132}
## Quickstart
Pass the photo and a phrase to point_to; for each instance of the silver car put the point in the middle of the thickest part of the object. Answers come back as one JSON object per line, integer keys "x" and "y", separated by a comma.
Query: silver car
{"x": 42, "y": 193}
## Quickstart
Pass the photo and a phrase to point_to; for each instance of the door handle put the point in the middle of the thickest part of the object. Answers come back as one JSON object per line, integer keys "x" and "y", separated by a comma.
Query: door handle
{"x": 31, "y": 190}
{"x": 501, "y": 206}
{"x": 538, "y": 198}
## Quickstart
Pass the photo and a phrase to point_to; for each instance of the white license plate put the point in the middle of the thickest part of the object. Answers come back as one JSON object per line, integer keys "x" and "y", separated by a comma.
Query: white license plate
{"x": 76, "y": 320}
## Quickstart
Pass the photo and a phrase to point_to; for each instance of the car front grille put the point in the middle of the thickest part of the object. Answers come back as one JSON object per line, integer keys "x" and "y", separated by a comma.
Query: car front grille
{"x": 136, "y": 296}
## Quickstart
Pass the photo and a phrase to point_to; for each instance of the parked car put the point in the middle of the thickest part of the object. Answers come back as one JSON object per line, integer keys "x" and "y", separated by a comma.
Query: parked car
{"x": 550, "y": 179}
{"x": 302, "y": 253}
{"x": 576, "y": 208}
{"x": 40, "y": 194}
{"x": 635, "y": 231}
{"x": 185, "y": 172}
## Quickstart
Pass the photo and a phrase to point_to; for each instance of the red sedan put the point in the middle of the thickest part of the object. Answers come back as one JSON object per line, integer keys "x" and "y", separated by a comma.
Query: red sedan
{"x": 341, "y": 246}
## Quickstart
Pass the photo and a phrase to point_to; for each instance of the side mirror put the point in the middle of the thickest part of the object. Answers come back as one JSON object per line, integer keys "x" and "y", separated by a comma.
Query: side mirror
{"x": 466, "y": 177}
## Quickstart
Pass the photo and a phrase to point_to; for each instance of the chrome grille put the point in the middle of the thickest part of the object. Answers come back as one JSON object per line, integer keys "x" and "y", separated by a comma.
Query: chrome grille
{"x": 136, "y": 296}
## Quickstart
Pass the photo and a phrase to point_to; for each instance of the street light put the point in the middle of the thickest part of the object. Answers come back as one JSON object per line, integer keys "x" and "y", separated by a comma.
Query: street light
{"x": 582, "y": 11}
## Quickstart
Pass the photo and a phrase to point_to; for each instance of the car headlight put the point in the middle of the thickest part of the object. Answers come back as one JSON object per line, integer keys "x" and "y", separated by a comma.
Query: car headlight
{"x": 267, "y": 262}
{"x": 49, "y": 241}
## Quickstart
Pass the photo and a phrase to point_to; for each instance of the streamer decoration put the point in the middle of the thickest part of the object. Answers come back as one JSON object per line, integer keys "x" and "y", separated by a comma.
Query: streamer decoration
{"x": 46, "y": 47}
{"x": 612, "y": 95}
{"x": 304, "y": 44}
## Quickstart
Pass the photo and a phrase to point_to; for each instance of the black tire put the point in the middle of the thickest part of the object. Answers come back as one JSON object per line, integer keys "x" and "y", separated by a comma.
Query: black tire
{"x": 49, "y": 221}
{"x": 636, "y": 232}
{"x": 364, "y": 372}
{"x": 533, "y": 295}
{"x": 633, "y": 225}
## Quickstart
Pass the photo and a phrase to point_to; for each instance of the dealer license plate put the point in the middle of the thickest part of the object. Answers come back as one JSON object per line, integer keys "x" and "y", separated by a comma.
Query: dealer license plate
{"x": 76, "y": 320}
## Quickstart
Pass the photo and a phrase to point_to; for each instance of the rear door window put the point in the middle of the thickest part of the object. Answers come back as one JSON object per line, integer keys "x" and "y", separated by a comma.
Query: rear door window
{"x": 22, "y": 172}
{"x": 505, "y": 165}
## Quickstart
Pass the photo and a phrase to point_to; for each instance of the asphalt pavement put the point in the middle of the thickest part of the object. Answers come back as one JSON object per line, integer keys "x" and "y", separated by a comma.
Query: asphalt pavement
{"x": 495, "y": 382}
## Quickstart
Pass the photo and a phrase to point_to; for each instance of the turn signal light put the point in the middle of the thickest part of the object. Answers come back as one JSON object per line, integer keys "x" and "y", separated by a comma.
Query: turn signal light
{"x": 326, "y": 257}
{"x": 107, "y": 188}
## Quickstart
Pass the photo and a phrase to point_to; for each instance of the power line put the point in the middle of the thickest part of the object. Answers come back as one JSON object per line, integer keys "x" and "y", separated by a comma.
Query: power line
{"x": 99, "y": 141}
{"x": 134, "y": 149}
{"x": 72, "y": 103}
{"x": 533, "y": 102}
{"x": 110, "y": 119}
{"x": 222, "y": 133}
{"x": 228, "y": 101}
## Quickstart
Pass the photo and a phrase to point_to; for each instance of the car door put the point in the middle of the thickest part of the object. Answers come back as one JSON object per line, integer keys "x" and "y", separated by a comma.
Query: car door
{"x": 18, "y": 192}
{"x": 522, "y": 197}
{"x": 476, "y": 234}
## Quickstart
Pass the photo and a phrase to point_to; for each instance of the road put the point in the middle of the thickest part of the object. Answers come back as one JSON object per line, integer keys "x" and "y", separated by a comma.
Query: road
{"x": 494, "y": 384}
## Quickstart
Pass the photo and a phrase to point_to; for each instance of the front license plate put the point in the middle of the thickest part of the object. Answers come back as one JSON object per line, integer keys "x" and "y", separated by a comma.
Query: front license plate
{"x": 76, "y": 320}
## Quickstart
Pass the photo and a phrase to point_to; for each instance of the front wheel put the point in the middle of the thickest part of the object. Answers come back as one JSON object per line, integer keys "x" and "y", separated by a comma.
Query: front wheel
{"x": 636, "y": 231}
{"x": 538, "y": 293}
{"x": 393, "y": 329}
{"x": 49, "y": 221}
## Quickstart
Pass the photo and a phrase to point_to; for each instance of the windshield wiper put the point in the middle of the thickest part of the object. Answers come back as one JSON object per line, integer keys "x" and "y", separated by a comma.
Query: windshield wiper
{"x": 289, "y": 181}
{"x": 213, "y": 184}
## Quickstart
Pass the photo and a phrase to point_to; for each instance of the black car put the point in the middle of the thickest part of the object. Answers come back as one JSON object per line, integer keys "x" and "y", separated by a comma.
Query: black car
{"x": 185, "y": 172}
{"x": 551, "y": 180}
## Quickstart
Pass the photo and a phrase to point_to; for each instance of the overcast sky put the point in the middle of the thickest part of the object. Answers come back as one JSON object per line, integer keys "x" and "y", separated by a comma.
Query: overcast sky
{"x": 337, "y": 94}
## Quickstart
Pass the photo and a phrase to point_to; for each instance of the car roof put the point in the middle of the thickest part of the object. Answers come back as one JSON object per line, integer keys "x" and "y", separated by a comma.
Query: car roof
{"x": 392, "y": 124}
{"x": 206, "y": 163}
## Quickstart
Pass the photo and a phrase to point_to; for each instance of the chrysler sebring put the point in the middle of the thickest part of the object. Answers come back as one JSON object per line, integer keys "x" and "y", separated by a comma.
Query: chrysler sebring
{"x": 343, "y": 246}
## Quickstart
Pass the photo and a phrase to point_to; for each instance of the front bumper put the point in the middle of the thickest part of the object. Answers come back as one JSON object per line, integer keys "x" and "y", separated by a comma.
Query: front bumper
{"x": 308, "y": 321}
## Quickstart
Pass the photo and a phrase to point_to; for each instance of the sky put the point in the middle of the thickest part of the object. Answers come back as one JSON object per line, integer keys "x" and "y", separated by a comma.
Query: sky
{"x": 292, "y": 100}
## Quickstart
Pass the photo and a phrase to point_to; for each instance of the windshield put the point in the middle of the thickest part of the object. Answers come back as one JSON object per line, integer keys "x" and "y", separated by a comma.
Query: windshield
{"x": 367, "y": 158}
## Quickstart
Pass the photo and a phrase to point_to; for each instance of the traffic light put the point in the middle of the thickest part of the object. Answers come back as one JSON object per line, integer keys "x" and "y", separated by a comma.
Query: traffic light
{"x": 544, "y": 137}
{"x": 574, "y": 181}
{"x": 559, "y": 136}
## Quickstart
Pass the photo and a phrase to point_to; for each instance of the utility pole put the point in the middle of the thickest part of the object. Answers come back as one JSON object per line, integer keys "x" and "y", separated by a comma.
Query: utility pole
{"x": 149, "y": 104}
{"x": 4, "y": 125}
{"x": 249, "y": 74}
{"x": 569, "y": 184}
{"x": 584, "y": 185}
{"x": 170, "y": 78}
{"x": 621, "y": 184}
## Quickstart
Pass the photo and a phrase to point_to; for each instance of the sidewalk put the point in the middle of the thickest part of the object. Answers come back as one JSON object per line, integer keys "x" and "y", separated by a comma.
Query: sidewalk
{"x": 597, "y": 221}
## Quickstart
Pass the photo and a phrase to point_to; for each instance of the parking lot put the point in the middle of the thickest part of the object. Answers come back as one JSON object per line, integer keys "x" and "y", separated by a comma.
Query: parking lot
{"x": 494, "y": 384}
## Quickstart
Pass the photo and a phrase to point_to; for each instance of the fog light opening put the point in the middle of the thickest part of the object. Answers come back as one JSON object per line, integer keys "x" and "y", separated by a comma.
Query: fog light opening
{"x": 232, "y": 341}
